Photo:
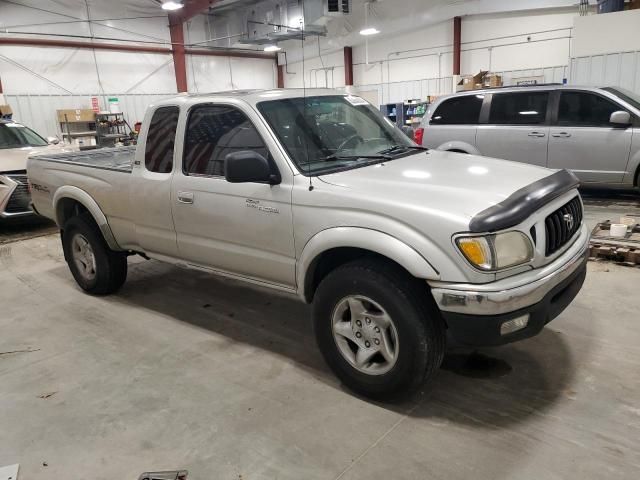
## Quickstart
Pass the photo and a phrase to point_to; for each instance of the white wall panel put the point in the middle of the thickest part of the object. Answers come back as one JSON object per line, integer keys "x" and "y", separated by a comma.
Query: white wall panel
{"x": 613, "y": 69}
{"x": 27, "y": 69}
{"x": 32, "y": 16}
{"x": 407, "y": 65}
{"x": 616, "y": 32}
{"x": 253, "y": 73}
{"x": 39, "y": 111}
{"x": 214, "y": 74}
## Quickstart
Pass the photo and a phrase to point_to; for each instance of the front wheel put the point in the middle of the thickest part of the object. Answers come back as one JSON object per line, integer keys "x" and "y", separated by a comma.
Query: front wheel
{"x": 377, "y": 328}
{"x": 96, "y": 268}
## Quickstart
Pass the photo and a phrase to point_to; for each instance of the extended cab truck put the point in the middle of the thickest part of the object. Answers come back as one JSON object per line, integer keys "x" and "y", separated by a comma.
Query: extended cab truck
{"x": 399, "y": 248}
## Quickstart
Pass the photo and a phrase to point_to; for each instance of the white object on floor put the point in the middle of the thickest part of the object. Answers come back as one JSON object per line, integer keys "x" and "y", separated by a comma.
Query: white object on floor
{"x": 10, "y": 472}
{"x": 618, "y": 230}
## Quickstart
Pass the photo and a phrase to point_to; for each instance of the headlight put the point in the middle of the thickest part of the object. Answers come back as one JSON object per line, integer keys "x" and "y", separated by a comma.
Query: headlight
{"x": 496, "y": 252}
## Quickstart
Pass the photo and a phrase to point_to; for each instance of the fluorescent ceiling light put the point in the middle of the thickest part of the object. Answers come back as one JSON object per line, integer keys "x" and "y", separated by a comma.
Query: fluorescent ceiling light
{"x": 369, "y": 31}
{"x": 272, "y": 48}
{"x": 171, "y": 5}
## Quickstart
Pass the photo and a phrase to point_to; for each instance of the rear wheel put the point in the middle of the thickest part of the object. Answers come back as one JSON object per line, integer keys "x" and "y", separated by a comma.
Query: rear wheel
{"x": 96, "y": 268}
{"x": 377, "y": 328}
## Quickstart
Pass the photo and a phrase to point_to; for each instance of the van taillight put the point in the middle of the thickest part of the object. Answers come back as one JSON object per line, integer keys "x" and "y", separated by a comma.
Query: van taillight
{"x": 417, "y": 136}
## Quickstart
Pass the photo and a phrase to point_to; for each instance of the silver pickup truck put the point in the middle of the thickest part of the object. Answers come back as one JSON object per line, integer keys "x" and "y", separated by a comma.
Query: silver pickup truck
{"x": 401, "y": 250}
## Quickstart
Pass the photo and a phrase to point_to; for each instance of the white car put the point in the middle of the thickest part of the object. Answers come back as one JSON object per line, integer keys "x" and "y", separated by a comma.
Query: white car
{"x": 17, "y": 142}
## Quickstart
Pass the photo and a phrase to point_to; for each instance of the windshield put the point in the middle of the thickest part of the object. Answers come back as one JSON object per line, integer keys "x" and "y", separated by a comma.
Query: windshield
{"x": 625, "y": 95}
{"x": 327, "y": 133}
{"x": 14, "y": 135}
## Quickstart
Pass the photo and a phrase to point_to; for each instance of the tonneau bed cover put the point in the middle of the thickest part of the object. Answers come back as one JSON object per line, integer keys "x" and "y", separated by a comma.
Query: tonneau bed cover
{"x": 119, "y": 158}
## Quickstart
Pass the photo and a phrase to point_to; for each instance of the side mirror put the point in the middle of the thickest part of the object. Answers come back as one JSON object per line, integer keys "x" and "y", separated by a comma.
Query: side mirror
{"x": 248, "y": 166}
{"x": 620, "y": 119}
{"x": 53, "y": 140}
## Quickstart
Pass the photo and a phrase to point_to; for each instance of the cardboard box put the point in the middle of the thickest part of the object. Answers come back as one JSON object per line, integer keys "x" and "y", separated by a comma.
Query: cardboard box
{"x": 472, "y": 82}
{"x": 492, "y": 80}
{"x": 5, "y": 111}
{"x": 78, "y": 115}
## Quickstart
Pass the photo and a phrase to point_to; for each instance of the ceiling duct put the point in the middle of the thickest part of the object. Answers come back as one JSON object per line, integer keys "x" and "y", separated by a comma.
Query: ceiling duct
{"x": 271, "y": 21}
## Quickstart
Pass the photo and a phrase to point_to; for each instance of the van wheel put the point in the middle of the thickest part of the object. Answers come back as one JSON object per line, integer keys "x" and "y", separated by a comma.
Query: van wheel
{"x": 96, "y": 268}
{"x": 378, "y": 328}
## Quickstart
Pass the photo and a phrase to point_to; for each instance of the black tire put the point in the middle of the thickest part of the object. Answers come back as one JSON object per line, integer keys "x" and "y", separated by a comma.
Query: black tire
{"x": 110, "y": 266}
{"x": 420, "y": 328}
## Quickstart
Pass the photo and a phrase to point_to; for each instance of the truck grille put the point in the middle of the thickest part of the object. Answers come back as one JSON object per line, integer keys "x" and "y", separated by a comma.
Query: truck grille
{"x": 562, "y": 224}
{"x": 20, "y": 198}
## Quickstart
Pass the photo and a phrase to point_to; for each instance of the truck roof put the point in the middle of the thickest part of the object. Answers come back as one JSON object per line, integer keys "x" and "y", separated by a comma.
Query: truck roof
{"x": 250, "y": 96}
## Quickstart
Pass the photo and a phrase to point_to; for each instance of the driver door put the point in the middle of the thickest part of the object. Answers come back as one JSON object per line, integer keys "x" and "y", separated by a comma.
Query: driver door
{"x": 243, "y": 229}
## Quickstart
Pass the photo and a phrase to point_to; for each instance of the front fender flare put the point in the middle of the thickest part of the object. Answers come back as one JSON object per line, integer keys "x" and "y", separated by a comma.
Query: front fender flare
{"x": 91, "y": 205}
{"x": 366, "y": 239}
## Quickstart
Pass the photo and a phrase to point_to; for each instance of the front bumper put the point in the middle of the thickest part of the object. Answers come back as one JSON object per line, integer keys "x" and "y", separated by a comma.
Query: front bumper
{"x": 475, "y": 313}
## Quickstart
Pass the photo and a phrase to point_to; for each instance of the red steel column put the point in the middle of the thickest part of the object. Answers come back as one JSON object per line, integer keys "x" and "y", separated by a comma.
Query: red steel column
{"x": 348, "y": 66}
{"x": 176, "y": 32}
{"x": 0, "y": 85}
{"x": 457, "y": 35}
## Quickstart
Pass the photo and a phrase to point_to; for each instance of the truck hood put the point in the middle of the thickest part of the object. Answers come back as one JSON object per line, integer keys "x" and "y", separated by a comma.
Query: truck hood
{"x": 15, "y": 159}
{"x": 452, "y": 186}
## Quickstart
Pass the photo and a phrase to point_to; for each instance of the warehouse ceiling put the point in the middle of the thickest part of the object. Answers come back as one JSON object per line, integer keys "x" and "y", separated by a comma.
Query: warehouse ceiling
{"x": 242, "y": 24}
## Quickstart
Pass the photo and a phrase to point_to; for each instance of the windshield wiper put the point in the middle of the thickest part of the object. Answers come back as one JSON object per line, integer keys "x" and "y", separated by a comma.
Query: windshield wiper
{"x": 403, "y": 148}
{"x": 335, "y": 156}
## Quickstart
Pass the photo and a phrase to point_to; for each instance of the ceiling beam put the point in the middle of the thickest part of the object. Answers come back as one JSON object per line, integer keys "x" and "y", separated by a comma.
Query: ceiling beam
{"x": 44, "y": 42}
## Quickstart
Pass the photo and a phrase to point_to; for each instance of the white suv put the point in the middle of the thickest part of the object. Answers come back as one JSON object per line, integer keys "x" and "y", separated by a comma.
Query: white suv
{"x": 594, "y": 132}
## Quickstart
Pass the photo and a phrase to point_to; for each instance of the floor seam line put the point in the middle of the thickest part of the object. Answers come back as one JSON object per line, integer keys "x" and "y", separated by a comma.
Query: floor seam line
{"x": 374, "y": 444}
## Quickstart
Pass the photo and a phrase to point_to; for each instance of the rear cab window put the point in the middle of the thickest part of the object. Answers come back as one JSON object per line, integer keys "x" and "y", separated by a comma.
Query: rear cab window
{"x": 519, "y": 108}
{"x": 161, "y": 136}
{"x": 463, "y": 110}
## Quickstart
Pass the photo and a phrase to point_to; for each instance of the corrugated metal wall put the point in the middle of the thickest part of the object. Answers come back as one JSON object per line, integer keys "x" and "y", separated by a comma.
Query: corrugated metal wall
{"x": 395, "y": 92}
{"x": 620, "y": 69}
{"x": 39, "y": 111}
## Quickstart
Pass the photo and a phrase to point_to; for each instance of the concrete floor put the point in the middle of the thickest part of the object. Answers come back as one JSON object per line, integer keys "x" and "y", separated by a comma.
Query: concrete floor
{"x": 185, "y": 370}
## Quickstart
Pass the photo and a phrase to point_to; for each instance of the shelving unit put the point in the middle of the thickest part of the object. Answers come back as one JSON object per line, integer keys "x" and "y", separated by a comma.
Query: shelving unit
{"x": 78, "y": 126}
{"x": 111, "y": 127}
{"x": 394, "y": 112}
{"x": 413, "y": 112}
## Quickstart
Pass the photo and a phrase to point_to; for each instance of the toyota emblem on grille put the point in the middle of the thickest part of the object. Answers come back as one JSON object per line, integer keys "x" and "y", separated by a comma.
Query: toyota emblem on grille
{"x": 568, "y": 220}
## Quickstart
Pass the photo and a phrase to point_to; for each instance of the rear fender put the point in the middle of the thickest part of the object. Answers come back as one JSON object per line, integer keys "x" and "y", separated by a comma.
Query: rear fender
{"x": 92, "y": 207}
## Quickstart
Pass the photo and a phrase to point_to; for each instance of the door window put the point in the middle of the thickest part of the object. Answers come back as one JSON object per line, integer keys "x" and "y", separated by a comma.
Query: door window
{"x": 519, "y": 108}
{"x": 583, "y": 109}
{"x": 458, "y": 111}
{"x": 158, "y": 153}
{"x": 213, "y": 132}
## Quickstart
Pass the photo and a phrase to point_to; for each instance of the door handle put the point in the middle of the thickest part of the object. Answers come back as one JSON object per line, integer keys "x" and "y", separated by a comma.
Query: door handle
{"x": 536, "y": 134}
{"x": 561, "y": 135}
{"x": 185, "y": 197}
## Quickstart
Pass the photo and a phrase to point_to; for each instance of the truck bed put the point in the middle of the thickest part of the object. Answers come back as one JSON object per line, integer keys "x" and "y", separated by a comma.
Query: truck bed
{"x": 119, "y": 159}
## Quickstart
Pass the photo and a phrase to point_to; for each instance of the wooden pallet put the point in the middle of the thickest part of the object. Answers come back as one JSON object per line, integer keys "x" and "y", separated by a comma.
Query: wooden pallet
{"x": 624, "y": 250}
